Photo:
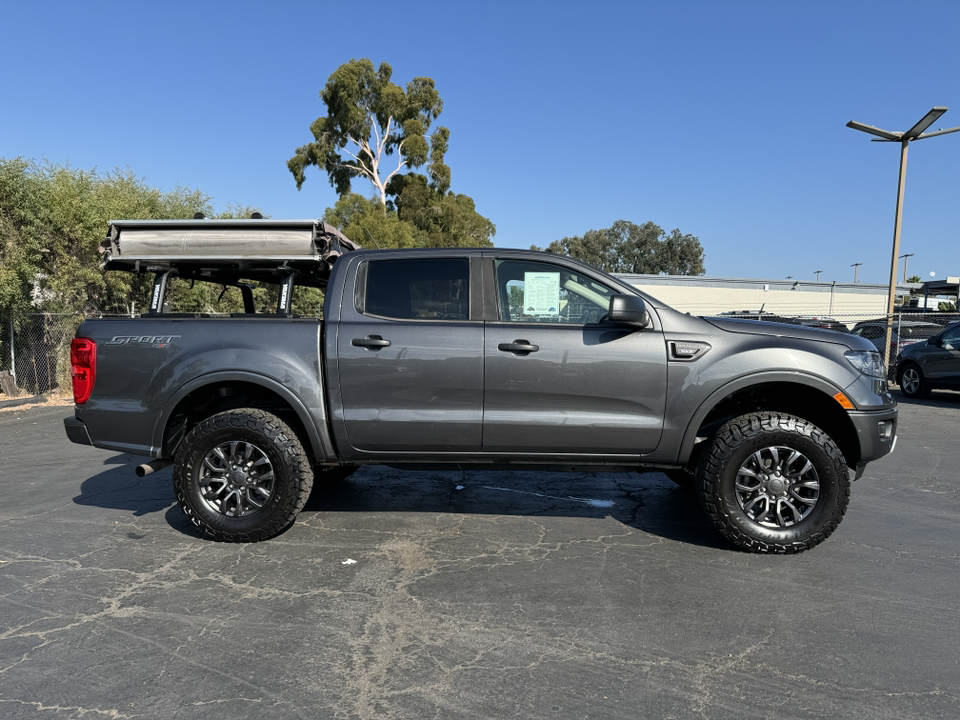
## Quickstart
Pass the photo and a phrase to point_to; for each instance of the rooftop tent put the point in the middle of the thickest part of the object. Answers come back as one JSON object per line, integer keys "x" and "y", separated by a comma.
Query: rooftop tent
{"x": 251, "y": 249}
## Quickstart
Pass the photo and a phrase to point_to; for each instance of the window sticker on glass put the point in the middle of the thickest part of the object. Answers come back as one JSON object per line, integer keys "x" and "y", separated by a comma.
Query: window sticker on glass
{"x": 541, "y": 293}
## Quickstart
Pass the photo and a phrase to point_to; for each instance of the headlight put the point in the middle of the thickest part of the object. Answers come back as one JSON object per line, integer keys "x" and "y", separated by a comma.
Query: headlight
{"x": 869, "y": 363}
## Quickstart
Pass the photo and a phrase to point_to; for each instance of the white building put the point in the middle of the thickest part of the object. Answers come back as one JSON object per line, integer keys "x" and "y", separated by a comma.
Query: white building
{"x": 697, "y": 295}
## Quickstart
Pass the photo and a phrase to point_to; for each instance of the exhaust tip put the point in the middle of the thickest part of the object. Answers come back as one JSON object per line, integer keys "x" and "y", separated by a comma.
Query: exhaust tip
{"x": 152, "y": 467}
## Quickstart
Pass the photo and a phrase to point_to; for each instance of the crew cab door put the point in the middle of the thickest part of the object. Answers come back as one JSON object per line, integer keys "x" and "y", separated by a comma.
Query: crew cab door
{"x": 558, "y": 379}
{"x": 410, "y": 357}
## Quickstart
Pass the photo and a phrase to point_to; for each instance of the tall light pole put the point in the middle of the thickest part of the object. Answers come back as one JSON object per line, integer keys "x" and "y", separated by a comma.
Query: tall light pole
{"x": 905, "y": 258}
{"x": 817, "y": 273}
{"x": 855, "y": 266}
{"x": 904, "y": 138}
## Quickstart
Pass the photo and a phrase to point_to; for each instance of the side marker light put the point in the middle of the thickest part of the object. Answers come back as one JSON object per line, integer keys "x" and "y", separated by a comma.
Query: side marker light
{"x": 844, "y": 401}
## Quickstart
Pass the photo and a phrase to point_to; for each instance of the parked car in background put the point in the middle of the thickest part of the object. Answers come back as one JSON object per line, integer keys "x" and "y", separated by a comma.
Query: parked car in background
{"x": 824, "y": 323}
{"x": 922, "y": 367}
{"x": 905, "y": 332}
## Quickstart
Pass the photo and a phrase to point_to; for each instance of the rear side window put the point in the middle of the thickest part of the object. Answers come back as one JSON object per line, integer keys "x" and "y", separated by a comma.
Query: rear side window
{"x": 427, "y": 289}
{"x": 920, "y": 332}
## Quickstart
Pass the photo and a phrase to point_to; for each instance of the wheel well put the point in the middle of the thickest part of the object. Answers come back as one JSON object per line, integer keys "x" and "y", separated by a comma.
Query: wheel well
{"x": 209, "y": 400}
{"x": 802, "y": 401}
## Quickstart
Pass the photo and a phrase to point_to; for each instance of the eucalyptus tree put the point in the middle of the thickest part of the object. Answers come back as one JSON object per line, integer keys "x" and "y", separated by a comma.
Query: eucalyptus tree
{"x": 375, "y": 130}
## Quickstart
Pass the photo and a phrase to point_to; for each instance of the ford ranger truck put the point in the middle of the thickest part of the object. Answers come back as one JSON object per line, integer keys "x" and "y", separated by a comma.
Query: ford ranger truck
{"x": 449, "y": 358}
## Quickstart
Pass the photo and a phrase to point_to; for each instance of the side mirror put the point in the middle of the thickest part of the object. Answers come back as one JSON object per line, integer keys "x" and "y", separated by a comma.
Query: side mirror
{"x": 628, "y": 310}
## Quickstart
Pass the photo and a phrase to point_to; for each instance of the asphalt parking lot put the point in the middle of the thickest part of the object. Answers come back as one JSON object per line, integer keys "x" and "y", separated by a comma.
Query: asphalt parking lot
{"x": 472, "y": 595}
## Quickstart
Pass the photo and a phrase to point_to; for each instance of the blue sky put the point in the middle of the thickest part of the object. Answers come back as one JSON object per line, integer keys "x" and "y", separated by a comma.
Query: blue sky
{"x": 724, "y": 119}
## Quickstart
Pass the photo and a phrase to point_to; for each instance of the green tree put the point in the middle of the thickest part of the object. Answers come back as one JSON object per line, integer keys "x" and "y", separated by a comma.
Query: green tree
{"x": 630, "y": 248}
{"x": 52, "y": 221}
{"x": 369, "y": 223}
{"x": 914, "y": 279}
{"x": 368, "y": 119}
{"x": 444, "y": 220}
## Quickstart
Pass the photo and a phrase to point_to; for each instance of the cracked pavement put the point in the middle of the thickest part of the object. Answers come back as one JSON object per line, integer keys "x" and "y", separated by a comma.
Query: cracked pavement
{"x": 472, "y": 594}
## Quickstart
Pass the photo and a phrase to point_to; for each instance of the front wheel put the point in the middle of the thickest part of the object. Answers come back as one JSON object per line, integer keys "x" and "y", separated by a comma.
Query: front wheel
{"x": 912, "y": 382}
{"x": 773, "y": 483}
{"x": 242, "y": 475}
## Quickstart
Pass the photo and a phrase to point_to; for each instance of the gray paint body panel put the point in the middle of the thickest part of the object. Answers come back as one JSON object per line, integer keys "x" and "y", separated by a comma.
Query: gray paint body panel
{"x": 587, "y": 389}
{"x": 139, "y": 383}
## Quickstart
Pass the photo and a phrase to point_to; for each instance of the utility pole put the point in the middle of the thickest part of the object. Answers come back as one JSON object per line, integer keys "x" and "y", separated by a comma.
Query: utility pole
{"x": 855, "y": 266}
{"x": 904, "y": 138}
{"x": 905, "y": 259}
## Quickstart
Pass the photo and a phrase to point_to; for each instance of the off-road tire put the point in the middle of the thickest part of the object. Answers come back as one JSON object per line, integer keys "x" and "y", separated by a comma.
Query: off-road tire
{"x": 724, "y": 472}
{"x": 268, "y": 442}
{"x": 912, "y": 382}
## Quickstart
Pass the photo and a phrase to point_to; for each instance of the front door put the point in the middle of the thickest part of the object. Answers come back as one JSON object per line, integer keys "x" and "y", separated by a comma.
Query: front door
{"x": 560, "y": 380}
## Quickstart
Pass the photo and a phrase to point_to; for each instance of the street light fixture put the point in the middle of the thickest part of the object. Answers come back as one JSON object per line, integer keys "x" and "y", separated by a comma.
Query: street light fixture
{"x": 905, "y": 258}
{"x": 904, "y": 138}
{"x": 817, "y": 273}
{"x": 855, "y": 266}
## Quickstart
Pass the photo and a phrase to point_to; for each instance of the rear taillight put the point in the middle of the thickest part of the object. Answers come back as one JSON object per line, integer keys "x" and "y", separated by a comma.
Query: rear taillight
{"x": 83, "y": 366}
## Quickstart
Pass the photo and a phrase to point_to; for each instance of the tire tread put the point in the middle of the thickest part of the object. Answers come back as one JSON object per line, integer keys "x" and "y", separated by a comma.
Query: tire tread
{"x": 728, "y": 439}
{"x": 286, "y": 442}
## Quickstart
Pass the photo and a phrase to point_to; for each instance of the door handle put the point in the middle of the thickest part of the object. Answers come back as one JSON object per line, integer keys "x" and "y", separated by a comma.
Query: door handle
{"x": 520, "y": 347}
{"x": 373, "y": 342}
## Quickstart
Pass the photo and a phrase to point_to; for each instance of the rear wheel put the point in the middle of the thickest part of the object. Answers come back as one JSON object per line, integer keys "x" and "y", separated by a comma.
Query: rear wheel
{"x": 912, "y": 382}
{"x": 242, "y": 475}
{"x": 774, "y": 483}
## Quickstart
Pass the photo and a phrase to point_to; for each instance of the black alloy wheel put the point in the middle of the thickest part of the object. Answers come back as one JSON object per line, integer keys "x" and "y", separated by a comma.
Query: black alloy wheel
{"x": 242, "y": 475}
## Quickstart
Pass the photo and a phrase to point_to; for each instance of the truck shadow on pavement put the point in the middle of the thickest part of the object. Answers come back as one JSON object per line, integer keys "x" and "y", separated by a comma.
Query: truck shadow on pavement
{"x": 649, "y": 503}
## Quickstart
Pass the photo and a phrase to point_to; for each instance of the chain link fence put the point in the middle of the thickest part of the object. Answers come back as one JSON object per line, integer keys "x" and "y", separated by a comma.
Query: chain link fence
{"x": 35, "y": 351}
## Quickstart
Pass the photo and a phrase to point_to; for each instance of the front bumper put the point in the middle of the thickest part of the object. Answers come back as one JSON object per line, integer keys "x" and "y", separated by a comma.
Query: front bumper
{"x": 876, "y": 432}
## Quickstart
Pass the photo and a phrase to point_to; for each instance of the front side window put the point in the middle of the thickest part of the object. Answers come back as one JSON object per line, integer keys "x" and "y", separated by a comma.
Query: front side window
{"x": 542, "y": 292}
{"x": 427, "y": 289}
{"x": 952, "y": 336}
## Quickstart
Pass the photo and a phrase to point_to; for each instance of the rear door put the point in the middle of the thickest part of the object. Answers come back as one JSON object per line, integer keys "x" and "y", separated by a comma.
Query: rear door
{"x": 410, "y": 357}
{"x": 557, "y": 378}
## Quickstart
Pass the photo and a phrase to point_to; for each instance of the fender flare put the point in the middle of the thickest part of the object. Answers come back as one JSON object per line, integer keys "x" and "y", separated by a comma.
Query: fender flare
{"x": 742, "y": 383}
{"x": 319, "y": 440}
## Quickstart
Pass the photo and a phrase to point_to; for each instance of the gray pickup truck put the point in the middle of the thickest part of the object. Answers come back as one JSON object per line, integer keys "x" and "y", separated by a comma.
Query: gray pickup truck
{"x": 488, "y": 358}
